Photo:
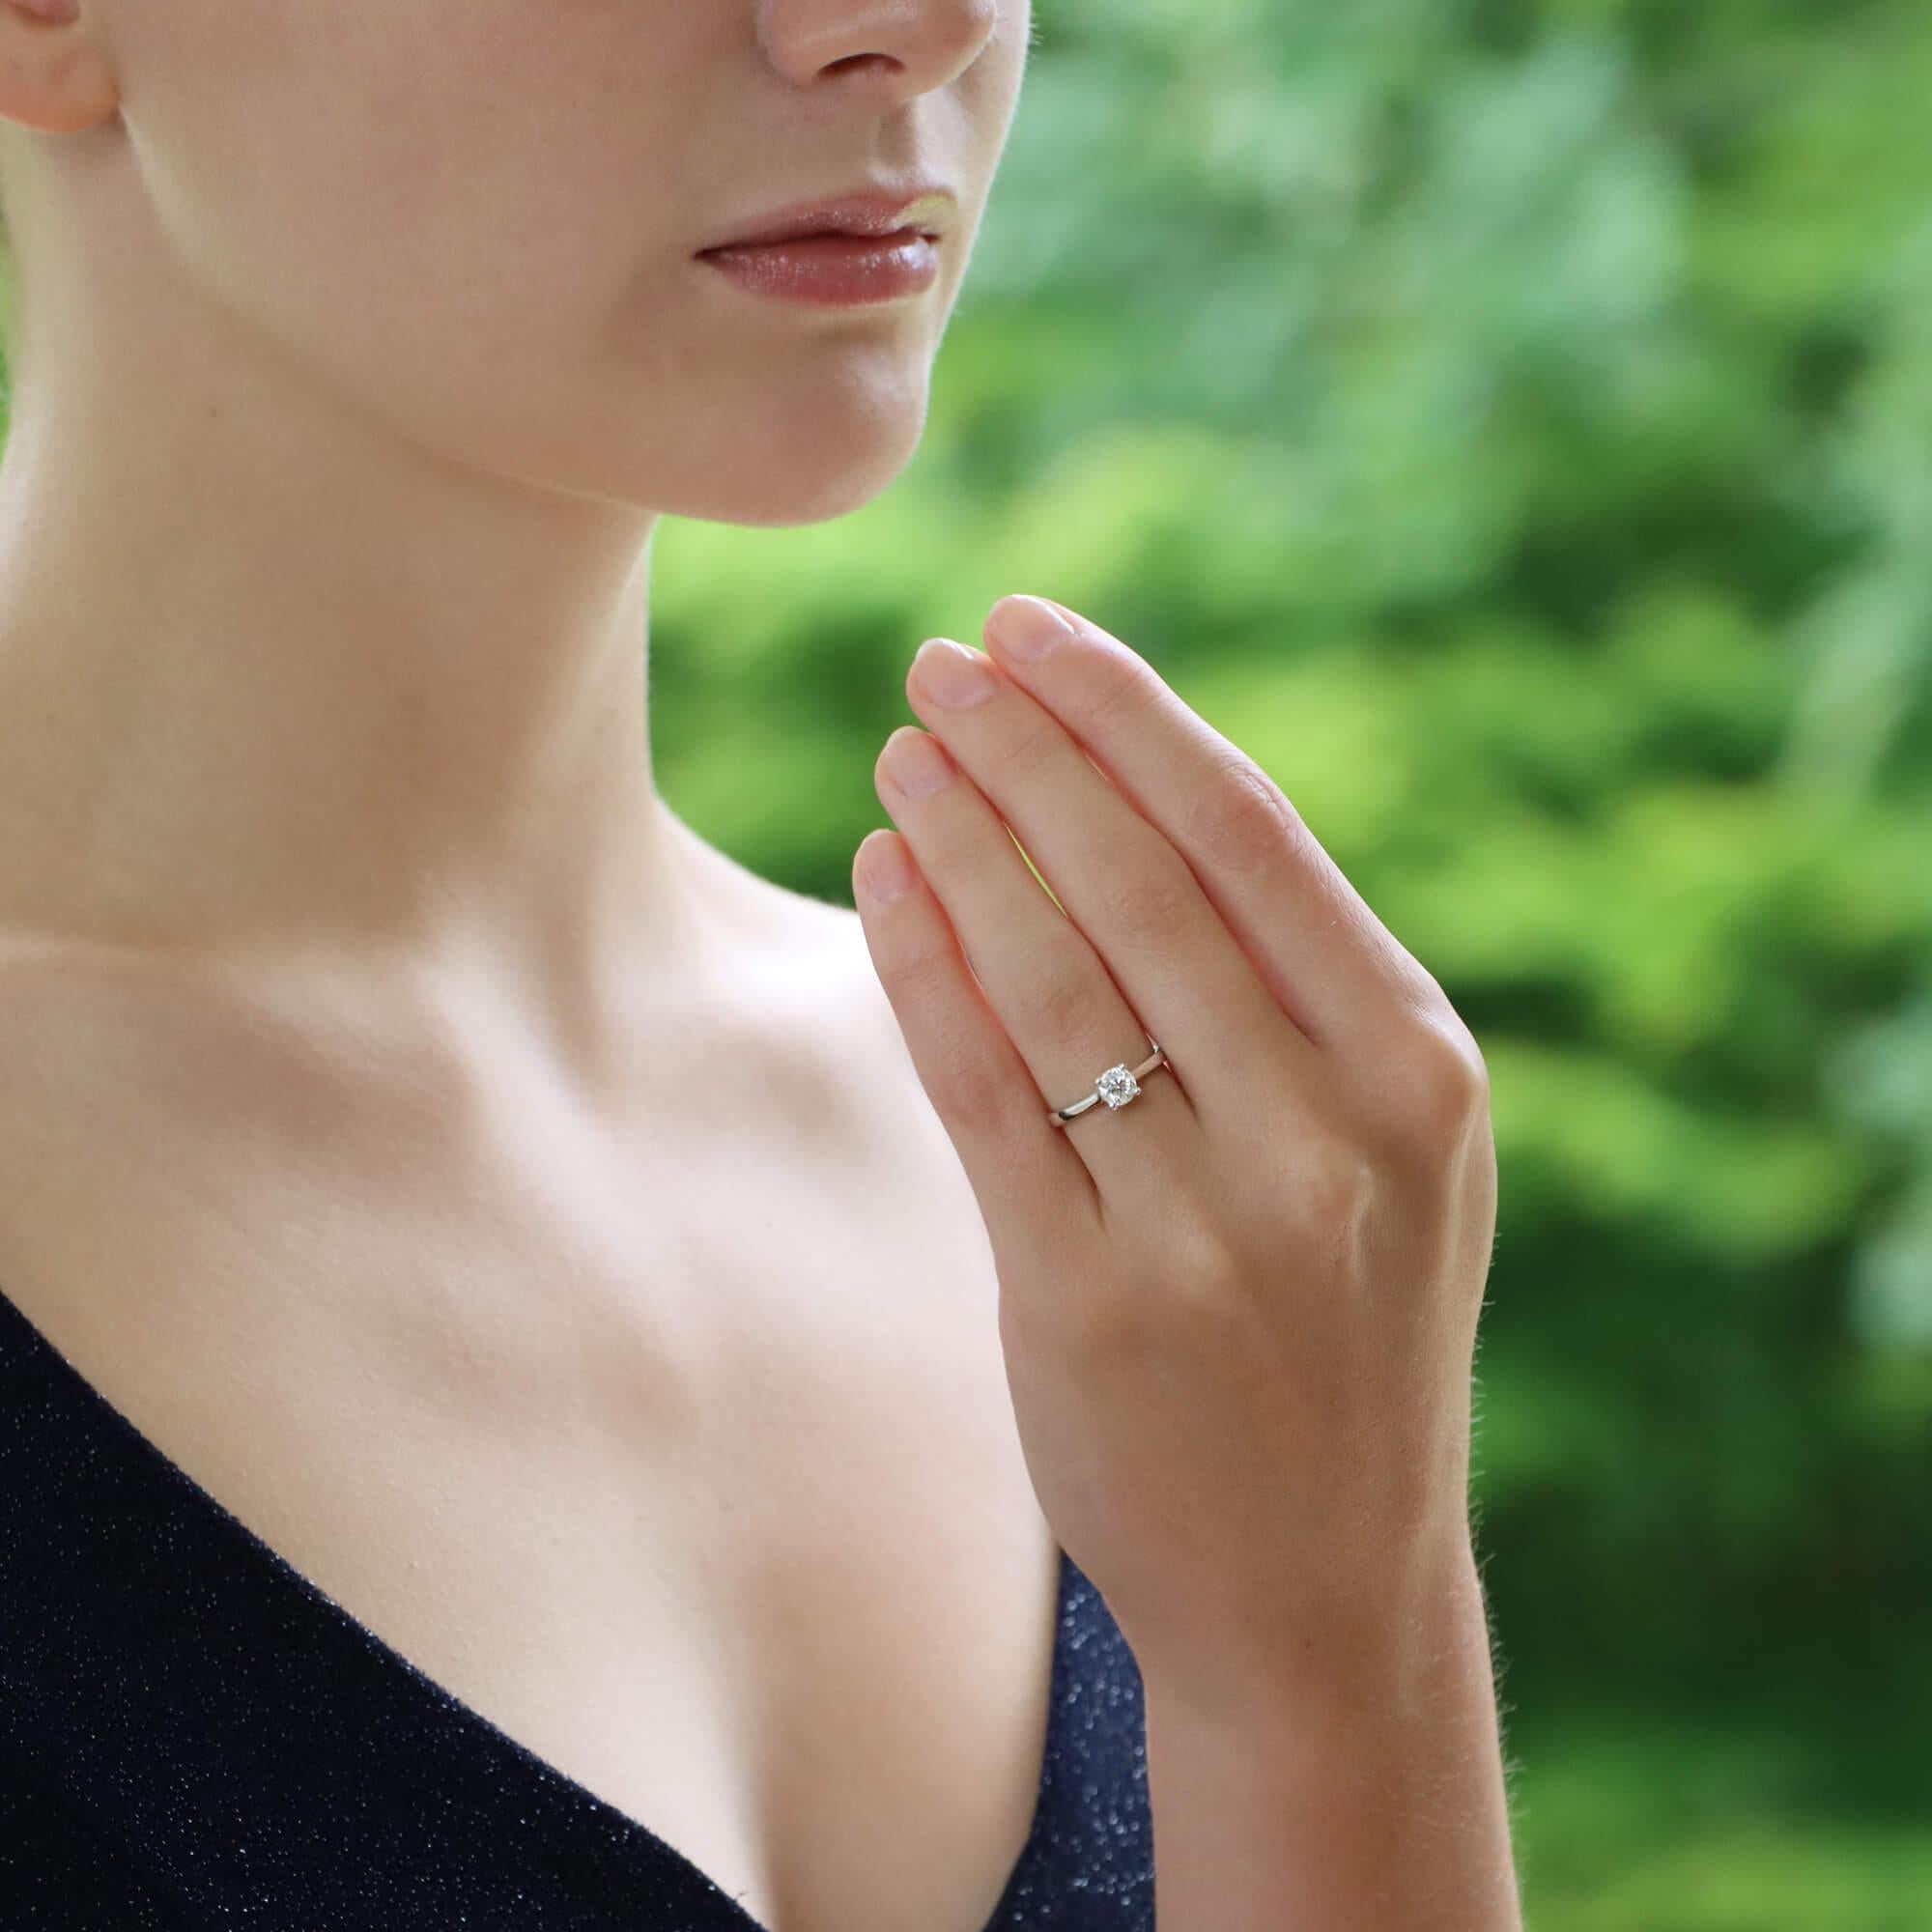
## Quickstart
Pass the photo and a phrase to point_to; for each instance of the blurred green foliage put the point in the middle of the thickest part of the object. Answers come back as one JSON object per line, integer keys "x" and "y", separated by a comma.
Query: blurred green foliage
{"x": 1512, "y": 423}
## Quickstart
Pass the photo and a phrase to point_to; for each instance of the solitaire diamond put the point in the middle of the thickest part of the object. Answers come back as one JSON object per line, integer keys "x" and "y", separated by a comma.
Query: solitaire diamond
{"x": 1117, "y": 1086}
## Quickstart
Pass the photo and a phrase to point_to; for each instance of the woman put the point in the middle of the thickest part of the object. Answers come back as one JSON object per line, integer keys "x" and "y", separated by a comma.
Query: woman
{"x": 548, "y": 1380}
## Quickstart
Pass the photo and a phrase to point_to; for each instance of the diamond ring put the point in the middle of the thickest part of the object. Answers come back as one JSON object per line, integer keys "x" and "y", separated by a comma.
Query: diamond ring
{"x": 1115, "y": 1087}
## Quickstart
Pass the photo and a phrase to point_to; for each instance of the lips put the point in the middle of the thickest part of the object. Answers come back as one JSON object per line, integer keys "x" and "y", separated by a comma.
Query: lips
{"x": 833, "y": 271}
{"x": 856, "y": 239}
{"x": 899, "y": 216}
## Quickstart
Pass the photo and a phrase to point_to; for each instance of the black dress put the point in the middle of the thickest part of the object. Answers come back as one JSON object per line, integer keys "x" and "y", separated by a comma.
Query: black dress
{"x": 193, "y": 1734}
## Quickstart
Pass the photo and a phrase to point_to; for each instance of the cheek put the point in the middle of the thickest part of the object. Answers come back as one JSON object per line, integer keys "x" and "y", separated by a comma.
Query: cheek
{"x": 420, "y": 194}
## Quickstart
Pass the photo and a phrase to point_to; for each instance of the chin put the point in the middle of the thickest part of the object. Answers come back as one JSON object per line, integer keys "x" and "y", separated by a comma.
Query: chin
{"x": 770, "y": 449}
{"x": 769, "y": 481}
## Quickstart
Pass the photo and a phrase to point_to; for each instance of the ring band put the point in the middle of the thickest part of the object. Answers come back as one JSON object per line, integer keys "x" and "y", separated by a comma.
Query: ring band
{"x": 1115, "y": 1087}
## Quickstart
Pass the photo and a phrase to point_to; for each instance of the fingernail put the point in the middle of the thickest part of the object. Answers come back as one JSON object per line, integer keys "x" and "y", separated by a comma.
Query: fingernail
{"x": 918, "y": 762}
{"x": 886, "y": 868}
{"x": 1028, "y": 627}
{"x": 954, "y": 674}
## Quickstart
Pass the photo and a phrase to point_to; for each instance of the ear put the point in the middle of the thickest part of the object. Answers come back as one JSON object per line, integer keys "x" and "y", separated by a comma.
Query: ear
{"x": 55, "y": 74}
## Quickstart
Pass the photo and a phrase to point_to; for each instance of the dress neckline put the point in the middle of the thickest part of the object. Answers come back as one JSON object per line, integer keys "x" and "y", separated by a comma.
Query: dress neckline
{"x": 611, "y": 1819}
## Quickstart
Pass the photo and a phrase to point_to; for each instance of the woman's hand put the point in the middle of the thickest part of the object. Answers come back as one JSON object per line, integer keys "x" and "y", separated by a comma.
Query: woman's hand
{"x": 1238, "y": 1316}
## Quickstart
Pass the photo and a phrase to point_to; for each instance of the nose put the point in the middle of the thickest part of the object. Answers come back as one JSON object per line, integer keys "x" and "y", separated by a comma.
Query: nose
{"x": 892, "y": 49}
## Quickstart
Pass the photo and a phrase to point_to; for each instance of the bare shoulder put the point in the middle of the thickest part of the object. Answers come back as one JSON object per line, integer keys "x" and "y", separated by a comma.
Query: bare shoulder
{"x": 842, "y": 986}
{"x": 862, "y": 1100}
{"x": 804, "y": 960}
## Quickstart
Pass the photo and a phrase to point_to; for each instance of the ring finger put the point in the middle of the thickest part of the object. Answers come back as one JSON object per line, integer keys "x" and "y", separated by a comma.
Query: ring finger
{"x": 1051, "y": 990}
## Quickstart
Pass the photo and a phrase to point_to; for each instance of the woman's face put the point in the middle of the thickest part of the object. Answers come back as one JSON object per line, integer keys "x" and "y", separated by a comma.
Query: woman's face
{"x": 481, "y": 217}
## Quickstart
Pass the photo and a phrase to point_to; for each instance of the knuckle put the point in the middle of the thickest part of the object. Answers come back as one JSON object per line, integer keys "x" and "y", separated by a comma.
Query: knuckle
{"x": 977, "y": 1095}
{"x": 921, "y": 978}
{"x": 1335, "y": 1187}
{"x": 1059, "y": 993}
{"x": 955, "y": 845}
{"x": 1191, "y": 1276}
{"x": 974, "y": 1089}
{"x": 1203, "y": 1266}
{"x": 1444, "y": 1084}
{"x": 1149, "y": 904}
{"x": 1119, "y": 685}
{"x": 1026, "y": 750}
{"x": 967, "y": 1082}
{"x": 1242, "y": 818}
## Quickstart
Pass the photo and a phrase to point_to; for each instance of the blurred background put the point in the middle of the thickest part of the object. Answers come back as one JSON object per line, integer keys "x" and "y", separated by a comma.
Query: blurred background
{"x": 1511, "y": 421}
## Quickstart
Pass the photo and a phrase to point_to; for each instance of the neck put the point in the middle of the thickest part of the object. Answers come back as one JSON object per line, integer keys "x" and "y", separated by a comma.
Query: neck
{"x": 273, "y": 675}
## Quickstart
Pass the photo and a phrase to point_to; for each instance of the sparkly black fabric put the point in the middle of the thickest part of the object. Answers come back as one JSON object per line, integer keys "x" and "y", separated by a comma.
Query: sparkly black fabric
{"x": 193, "y": 1734}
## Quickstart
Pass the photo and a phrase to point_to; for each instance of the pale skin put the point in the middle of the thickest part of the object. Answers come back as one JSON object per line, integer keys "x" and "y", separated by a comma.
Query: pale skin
{"x": 1239, "y": 1321}
{"x": 361, "y": 352}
